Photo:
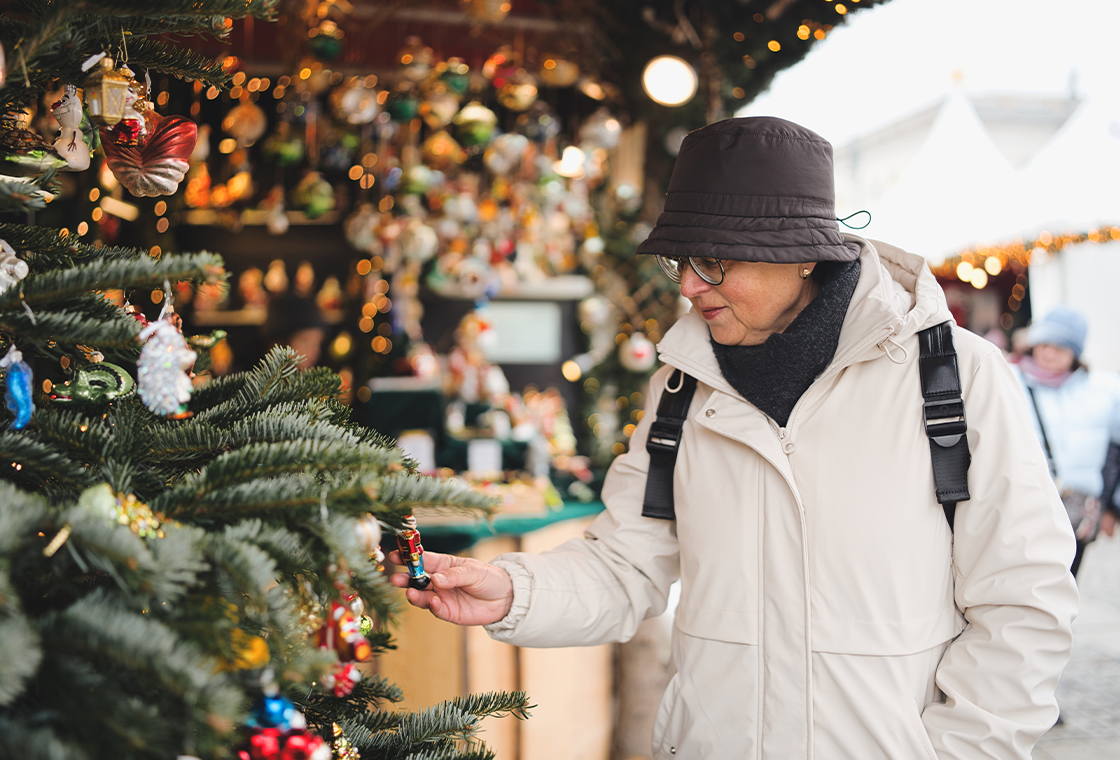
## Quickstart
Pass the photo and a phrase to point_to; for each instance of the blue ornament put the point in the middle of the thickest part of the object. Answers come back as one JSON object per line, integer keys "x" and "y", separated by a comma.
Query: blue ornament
{"x": 17, "y": 387}
{"x": 273, "y": 712}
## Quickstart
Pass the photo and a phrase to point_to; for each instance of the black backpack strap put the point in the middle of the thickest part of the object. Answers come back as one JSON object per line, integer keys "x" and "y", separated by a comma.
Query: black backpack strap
{"x": 662, "y": 444}
{"x": 943, "y": 412}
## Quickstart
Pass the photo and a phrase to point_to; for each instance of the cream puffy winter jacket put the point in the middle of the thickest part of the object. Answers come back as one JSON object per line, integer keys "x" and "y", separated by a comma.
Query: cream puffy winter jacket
{"x": 825, "y": 611}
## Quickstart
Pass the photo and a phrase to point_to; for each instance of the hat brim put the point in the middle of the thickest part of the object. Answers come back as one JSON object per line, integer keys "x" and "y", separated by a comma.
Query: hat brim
{"x": 772, "y": 239}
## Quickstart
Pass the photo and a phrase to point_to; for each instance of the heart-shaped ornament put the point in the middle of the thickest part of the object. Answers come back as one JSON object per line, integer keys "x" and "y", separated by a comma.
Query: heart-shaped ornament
{"x": 159, "y": 163}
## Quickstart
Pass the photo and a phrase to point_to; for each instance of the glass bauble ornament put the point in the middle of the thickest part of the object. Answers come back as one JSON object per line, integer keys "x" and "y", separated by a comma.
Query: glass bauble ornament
{"x": 474, "y": 124}
{"x": 558, "y": 71}
{"x": 355, "y": 102}
{"x": 245, "y": 122}
{"x": 415, "y": 59}
{"x": 519, "y": 92}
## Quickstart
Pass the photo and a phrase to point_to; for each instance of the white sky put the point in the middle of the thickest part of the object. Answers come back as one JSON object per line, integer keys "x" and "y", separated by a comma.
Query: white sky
{"x": 894, "y": 59}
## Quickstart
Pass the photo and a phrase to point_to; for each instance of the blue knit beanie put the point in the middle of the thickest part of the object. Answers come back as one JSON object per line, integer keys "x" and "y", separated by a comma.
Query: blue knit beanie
{"x": 1064, "y": 326}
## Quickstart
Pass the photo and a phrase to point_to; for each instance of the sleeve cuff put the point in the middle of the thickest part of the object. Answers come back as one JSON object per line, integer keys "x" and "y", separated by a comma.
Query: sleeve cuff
{"x": 522, "y": 585}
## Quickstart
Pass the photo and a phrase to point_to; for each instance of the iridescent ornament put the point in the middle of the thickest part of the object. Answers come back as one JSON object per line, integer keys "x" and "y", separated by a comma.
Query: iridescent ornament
{"x": 164, "y": 365}
{"x": 456, "y": 75}
{"x": 12, "y": 268}
{"x": 402, "y": 104}
{"x": 17, "y": 387}
{"x": 97, "y": 383}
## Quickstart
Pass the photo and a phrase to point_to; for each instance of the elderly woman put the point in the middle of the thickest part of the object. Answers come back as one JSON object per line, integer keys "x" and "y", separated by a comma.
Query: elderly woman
{"x": 828, "y": 609}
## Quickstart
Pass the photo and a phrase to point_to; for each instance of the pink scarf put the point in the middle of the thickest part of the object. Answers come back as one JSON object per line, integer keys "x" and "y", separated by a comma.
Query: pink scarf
{"x": 1042, "y": 376}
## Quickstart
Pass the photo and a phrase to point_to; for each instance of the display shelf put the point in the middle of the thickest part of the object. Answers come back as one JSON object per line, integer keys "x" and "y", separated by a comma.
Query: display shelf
{"x": 255, "y": 217}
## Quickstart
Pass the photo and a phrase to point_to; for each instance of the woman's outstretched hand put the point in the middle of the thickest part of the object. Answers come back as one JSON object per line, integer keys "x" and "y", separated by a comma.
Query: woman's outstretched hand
{"x": 463, "y": 591}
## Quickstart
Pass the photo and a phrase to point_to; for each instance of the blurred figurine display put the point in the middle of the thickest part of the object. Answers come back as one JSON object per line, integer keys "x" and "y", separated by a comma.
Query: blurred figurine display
{"x": 412, "y": 554}
{"x": 163, "y": 369}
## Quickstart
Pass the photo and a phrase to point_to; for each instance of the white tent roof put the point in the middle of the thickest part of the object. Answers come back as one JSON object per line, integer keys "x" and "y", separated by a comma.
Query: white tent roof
{"x": 957, "y": 191}
{"x": 1073, "y": 183}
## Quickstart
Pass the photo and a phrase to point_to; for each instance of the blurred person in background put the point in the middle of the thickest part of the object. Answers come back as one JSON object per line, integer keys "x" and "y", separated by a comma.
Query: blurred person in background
{"x": 1076, "y": 415}
{"x": 829, "y": 607}
{"x": 297, "y": 322}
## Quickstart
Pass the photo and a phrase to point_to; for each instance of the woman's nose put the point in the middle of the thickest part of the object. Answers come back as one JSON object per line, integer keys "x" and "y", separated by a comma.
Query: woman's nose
{"x": 691, "y": 283}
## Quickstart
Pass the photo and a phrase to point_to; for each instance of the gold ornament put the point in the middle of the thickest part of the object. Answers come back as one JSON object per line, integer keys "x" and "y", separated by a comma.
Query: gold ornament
{"x": 106, "y": 88}
{"x": 138, "y": 516}
{"x": 519, "y": 92}
{"x": 252, "y": 651}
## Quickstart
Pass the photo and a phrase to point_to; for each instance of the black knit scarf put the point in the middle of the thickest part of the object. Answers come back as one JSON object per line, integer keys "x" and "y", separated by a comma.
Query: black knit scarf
{"x": 775, "y": 374}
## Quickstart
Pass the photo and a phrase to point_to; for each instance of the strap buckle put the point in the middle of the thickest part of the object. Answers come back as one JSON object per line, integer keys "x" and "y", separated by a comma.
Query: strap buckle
{"x": 664, "y": 438}
{"x": 944, "y": 421}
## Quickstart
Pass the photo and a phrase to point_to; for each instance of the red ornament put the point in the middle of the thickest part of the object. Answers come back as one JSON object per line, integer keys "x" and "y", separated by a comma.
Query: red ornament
{"x": 343, "y": 634}
{"x": 300, "y": 745}
{"x": 159, "y": 163}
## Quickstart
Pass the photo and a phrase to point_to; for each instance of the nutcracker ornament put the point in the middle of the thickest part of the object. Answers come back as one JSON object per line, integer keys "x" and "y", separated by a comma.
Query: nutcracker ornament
{"x": 163, "y": 368}
{"x": 412, "y": 554}
{"x": 17, "y": 387}
{"x": 71, "y": 145}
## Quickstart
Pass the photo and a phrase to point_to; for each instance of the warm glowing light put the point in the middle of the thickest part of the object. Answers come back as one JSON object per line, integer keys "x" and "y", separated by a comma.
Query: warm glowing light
{"x": 979, "y": 278}
{"x": 161, "y": 208}
{"x": 841, "y": 9}
{"x": 993, "y": 265}
{"x": 571, "y": 371}
{"x": 774, "y": 46}
{"x": 669, "y": 80}
{"x": 803, "y": 32}
{"x": 570, "y": 163}
{"x": 83, "y": 228}
{"x": 363, "y": 267}
{"x": 94, "y": 194}
{"x": 161, "y": 225}
{"x": 964, "y": 271}
{"x": 355, "y": 172}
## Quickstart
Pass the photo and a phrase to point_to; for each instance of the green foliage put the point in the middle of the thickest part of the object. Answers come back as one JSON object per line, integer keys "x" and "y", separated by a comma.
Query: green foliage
{"x": 152, "y": 569}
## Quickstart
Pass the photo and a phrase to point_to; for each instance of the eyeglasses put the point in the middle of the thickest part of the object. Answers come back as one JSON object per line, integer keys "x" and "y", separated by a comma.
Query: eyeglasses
{"x": 707, "y": 269}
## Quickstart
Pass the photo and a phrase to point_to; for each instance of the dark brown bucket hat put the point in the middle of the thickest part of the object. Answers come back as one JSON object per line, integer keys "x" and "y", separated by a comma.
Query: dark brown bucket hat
{"x": 752, "y": 189}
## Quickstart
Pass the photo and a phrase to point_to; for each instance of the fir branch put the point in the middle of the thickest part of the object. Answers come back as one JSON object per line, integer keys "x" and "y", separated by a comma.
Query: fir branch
{"x": 217, "y": 390}
{"x": 495, "y": 703}
{"x": 266, "y": 460}
{"x": 452, "y": 753}
{"x": 95, "y": 627}
{"x": 36, "y": 462}
{"x": 20, "y": 739}
{"x": 296, "y": 492}
{"x": 275, "y": 380}
{"x": 405, "y": 491}
{"x": 59, "y": 285}
{"x": 71, "y": 328}
{"x": 20, "y": 654}
{"x": 248, "y": 568}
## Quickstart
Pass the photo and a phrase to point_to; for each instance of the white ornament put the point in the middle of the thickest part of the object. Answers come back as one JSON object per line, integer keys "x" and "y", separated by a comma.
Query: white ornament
{"x": 70, "y": 143}
{"x": 369, "y": 534}
{"x": 12, "y": 268}
{"x": 637, "y": 354}
{"x": 162, "y": 369}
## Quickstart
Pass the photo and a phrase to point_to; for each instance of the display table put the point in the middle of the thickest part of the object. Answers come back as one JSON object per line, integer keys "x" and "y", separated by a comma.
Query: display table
{"x": 571, "y": 688}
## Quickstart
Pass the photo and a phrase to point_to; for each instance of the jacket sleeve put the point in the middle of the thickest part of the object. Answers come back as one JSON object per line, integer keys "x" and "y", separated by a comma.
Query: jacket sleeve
{"x": 598, "y": 588}
{"x": 1013, "y": 548}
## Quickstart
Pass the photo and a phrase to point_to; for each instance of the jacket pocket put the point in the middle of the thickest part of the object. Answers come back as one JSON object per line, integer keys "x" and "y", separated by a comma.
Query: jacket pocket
{"x": 919, "y": 728}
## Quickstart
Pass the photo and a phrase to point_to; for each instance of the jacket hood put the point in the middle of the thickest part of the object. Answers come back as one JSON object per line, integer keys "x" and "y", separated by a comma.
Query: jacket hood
{"x": 896, "y": 297}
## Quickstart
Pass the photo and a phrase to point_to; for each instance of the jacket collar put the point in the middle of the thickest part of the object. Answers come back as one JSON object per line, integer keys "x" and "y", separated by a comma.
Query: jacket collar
{"x": 896, "y": 297}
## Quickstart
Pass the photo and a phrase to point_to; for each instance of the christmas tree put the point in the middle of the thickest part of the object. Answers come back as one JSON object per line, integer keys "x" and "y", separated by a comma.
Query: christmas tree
{"x": 186, "y": 567}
